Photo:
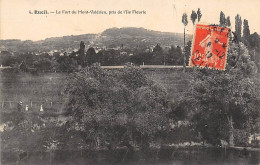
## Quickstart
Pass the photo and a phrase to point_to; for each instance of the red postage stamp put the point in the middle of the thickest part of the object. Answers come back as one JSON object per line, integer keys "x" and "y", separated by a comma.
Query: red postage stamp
{"x": 209, "y": 47}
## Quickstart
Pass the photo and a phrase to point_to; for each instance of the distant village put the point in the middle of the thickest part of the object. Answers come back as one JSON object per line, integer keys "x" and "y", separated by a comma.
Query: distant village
{"x": 71, "y": 59}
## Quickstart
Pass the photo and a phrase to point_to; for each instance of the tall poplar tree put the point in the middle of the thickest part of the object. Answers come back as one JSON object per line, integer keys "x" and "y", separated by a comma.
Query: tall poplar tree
{"x": 238, "y": 26}
{"x": 199, "y": 14}
{"x": 185, "y": 23}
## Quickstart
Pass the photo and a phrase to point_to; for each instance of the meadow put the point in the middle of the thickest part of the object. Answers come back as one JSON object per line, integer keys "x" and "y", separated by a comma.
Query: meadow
{"x": 46, "y": 89}
{"x": 33, "y": 90}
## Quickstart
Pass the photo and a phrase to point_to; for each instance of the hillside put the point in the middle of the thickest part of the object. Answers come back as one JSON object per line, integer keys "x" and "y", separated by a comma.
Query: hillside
{"x": 129, "y": 37}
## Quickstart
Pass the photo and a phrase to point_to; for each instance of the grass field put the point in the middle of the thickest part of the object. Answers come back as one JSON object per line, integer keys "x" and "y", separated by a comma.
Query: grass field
{"x": 174, "y": 80}
{"x": 33, "y": 90}
{"x": 46, "y": 88}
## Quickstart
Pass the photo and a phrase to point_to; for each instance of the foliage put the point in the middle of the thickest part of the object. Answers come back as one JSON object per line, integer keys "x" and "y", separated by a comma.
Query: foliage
{"x": 228, "y": 23}
{"x": 222, "y": 19}
{"x": 43, "y": 64}
{"x": 253, "y": 44}
{"x": 241, "y": 137}
{"x": 246, "y": 31}
{"x": 181, "y": 134}
{"x": 193, "y": 16}
{"x": 157, "y": 49}
{"x": 21, "y": 133}
{"x": 143, "y": 57}
{"x": 31, "y": 132}
{"x": 199, "y": 14}
{"x": 174, "y": 56}
{"x": 111, "y": 57}
{"x": 188, "y": 51}
{"x": 185, "y": 23}
{"x": 66, "y": 64}
{"x": 238, "y": 26}
{"x": 91, "y": 56}
{"x": 220, "y": 97}
{"x": 117, "y": 105}
{"x": 6, "y": 58}
{"x": 184, "y": 19}
{"x": 160, "y": 56}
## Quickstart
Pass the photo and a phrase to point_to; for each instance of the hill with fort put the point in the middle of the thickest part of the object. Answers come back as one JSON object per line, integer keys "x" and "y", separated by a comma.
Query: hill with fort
{"x": 128, "y": 37}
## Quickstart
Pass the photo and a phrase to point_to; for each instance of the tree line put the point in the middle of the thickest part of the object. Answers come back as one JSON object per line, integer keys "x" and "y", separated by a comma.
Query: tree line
{"x": 74, "y": 61}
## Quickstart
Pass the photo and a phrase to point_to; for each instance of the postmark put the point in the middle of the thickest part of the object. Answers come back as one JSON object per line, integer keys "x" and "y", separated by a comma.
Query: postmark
{"x": 209, "y": 48}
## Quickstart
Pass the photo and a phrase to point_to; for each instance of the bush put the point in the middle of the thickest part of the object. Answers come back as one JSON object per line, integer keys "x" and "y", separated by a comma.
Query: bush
{"x": 101, "y": 101}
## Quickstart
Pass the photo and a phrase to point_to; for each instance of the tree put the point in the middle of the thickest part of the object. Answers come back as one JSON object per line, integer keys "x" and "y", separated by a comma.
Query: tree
{"x": 113, "y": 57}
{"x": 170, "y": 57}
{"x": 185, "y": 23}
{"x": 253, "y": 44}
{"x": 187, "y": 51}
{"x": 100, "y": 55}
{"x": 254, "y": 41}
{"x": 157, "y": 49}
{"x": 224, "y": 101}
{"x": 158, "y": 55}
{"x": 222, "y": 19}
{"x": 67, "y": 64}
{"x": 246, "y": 30}
{"x": 6, "y": 58}
{"x": 185, "y": 19}
{"x": 91, "y": 56}
{"x": 238, "y": 27}
{"x": 81, "y": 54}
{"x": 43, "y": 64}
{"x": 110, "y": 106}
{"x": 228, "y": 23}
{"x": 193, "y": 16}
{"x": 174, "y": 55}
{"x": 142, "y": 57}
{"x": 199, "y": 14}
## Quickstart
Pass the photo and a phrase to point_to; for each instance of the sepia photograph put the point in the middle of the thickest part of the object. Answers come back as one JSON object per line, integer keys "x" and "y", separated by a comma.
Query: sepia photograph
{"x": 130, "y": 82}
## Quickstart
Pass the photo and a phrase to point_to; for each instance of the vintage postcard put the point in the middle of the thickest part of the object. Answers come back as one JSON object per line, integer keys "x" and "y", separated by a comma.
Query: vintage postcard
{"x": 129, "y": 82}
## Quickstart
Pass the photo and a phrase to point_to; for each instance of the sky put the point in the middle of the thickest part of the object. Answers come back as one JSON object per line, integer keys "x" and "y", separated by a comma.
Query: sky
{"x": 161, "y": 15}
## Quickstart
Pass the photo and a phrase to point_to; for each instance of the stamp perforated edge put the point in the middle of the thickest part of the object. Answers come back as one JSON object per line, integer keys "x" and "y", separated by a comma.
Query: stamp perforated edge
{"x": 192, "y": 47}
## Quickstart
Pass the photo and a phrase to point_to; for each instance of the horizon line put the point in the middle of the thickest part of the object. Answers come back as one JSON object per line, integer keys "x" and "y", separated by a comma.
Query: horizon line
{"x": 93, "y": 34}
